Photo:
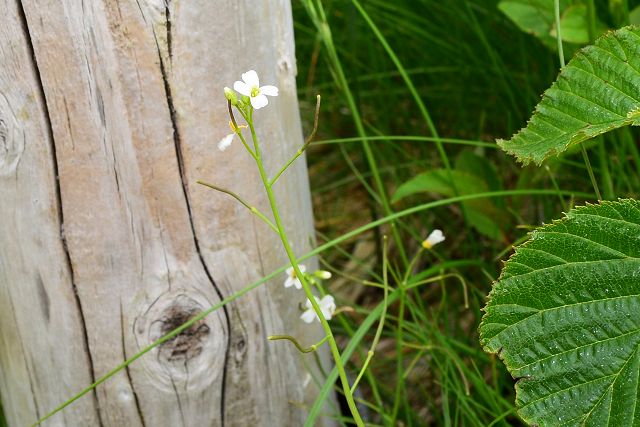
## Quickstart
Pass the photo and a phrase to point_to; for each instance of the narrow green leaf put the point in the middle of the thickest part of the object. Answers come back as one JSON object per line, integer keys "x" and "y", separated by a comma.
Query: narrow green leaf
{"x": 564, "y": 316}
{"x": 599, "y": 90}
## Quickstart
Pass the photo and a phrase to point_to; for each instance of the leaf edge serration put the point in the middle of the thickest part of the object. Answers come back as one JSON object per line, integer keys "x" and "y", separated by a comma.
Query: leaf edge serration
{"x": 512, "y": 145}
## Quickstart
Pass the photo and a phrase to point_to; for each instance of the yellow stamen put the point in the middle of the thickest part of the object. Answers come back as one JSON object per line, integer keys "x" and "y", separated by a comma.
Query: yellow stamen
{"x": 235, "y": 129}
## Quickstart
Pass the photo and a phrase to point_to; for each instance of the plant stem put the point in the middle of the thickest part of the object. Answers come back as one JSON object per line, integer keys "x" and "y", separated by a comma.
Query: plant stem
{"x": 378, "y": 334}
{"x": 585, "y": 156}
{"x": 305, "y": 284}
{"x": 591, "y": 25}
{"x": 304, "y": 147}
{"x": 556, "y": 8}
{"x": 253, "y": 209}
{"x": 297, "y": 344}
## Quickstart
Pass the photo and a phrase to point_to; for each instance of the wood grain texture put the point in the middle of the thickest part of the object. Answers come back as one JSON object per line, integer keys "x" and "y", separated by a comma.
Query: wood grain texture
{"x": 109, "y": 113}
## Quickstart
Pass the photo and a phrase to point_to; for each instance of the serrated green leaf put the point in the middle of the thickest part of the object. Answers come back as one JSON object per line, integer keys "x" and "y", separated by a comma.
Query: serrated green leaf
{"x": 599, "y": 90}
{"x": 564, "y": 316}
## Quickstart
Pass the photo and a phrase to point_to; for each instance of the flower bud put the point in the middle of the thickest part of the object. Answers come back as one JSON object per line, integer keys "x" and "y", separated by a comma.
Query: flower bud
{"x": 323, "y": 274}
{"x": 434, "y": 238}
{"x": 231, "y": 96}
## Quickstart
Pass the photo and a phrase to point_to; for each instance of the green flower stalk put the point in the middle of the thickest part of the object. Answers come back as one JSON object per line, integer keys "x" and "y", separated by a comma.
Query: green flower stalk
{"x": 253, "y": 98}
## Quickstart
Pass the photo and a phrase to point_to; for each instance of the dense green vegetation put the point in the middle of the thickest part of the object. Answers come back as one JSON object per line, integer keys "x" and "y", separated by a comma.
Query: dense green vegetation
{"x": 415, "y": 93}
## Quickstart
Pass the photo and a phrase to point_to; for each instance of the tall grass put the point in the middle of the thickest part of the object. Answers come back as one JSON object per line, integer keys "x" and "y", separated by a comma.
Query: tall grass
{"x": 411, "y": 86}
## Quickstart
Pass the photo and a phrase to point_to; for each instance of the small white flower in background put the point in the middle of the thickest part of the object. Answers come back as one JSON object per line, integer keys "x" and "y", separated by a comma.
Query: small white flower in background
{"x": 292, "y": 280}
{"x": 434, "y": 238}
{"x": 250, "y": 86}
{"x": 228, "y": 139}
{"x": 327, "y": 307}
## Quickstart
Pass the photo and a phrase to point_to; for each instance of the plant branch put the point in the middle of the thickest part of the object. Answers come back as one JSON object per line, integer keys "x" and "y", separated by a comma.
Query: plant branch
{"x": 307, "y": 142}
{"x": 253, "y": 209}
{"x": 298, "y": 346}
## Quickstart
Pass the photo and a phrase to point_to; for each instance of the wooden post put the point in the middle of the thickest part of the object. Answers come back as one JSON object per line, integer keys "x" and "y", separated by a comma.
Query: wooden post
{"x": 110, "y": 110}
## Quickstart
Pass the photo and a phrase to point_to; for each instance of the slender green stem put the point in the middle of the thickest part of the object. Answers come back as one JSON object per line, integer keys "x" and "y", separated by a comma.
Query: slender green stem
{"x": 304, "y": 146}
{"x": 392, "y": 138}
{"x": 412, "y": 89}
{"x": 253, "y": 209}
{"x": 585, "y": 156}
{"x": 402, "y": 286}
{"x": 556, "y": 9}
{"x": 320, "y": 21}
{"x": 305, "y": 284}
{"x": 378, "y": 334}
{"x": 555, "y": 185}
{"x": 463, "y": 283}
{"x": 238, "y": 131}
{"x": 333, "y": 243}
{"x": 295, "y": 342}
{"x": 591, "y": 25}
{"x": 591, "y": 20}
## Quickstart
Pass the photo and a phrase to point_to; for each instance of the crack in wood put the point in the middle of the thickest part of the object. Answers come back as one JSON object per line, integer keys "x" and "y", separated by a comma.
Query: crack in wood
{"x": 178, "y": 149}
{"x": 45, "y": 302}
{"x": 47, "y": 119}
{"x": 128, "y": 371}
{"x": 167, "y": 16}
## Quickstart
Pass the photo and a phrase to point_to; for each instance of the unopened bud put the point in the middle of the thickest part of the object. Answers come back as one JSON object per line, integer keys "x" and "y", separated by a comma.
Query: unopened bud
{"x": 231, "y": 96}
{"x": 323, "y": 274}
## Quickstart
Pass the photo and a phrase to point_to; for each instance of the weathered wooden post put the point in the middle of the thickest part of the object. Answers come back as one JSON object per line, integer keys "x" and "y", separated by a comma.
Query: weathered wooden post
{"x": 110, "y": 111}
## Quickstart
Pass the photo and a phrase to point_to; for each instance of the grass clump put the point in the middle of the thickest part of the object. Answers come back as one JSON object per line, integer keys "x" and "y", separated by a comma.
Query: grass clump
{"x": 415, "y": 94}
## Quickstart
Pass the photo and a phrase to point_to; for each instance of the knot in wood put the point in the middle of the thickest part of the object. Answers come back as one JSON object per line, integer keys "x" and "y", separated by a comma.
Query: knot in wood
{"x": 194, "y": 357}
{"x": 188, "y": 343}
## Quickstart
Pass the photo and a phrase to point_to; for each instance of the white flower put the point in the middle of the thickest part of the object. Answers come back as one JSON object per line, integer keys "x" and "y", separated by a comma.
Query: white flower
{"x": 292, "y": 280}
{"x": 434, "y": 238}
{"x": 250, "y": 86}
{"x": 228, "y": 139}
{"x": 226, "y": 142}
{"x": 327, "y": 307}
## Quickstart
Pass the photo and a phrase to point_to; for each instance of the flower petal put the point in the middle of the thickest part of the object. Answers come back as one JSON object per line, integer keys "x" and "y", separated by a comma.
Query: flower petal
{"x": 434, "y": 238}
{"x": 242, "y": 88}
{"x": 308, "y": 316}
{"x": 225, "y": 142}
{"x": 259, "y": 101}
{"x": 307, "y": 304}
{"x": 328, "y": 306}
{"x": 269, "y": 90}
{"x": 251, "y": 78}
